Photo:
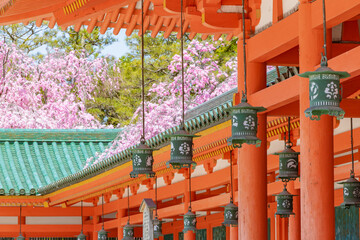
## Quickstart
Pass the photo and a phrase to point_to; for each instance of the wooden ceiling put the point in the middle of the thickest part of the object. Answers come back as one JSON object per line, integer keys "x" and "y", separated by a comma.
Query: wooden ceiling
{"x": 205, "y": 17}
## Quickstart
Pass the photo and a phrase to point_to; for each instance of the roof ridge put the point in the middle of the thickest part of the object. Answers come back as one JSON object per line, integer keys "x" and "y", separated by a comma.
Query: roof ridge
{"x": 205, "y": 120}
{"x": 59, "y": 135}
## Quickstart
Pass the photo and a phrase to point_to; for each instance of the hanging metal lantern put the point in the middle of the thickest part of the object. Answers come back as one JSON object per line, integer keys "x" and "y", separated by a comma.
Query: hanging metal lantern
{"x": 102, "y": 234}
{"x": 351, "y": 192}
{"x": 244, "y": 124}
{"x": 181, "y": 150}
{"x": 142, "y": 160}
{"x": 20, "y": 237}
{"x": 189, "y": 222}
{"x": 288, "y": 164}
{"x": 325, "y": 92}
{"x": 284, "y": 203}
{"x": 157, "y": 227}
{"x": 82, "y": 236}
{"x": 230, "y": 215}
{"x": 128, "y": 232}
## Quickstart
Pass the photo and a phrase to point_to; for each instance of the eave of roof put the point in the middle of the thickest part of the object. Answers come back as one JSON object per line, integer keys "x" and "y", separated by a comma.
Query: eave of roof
{"x": 212, "y": 113}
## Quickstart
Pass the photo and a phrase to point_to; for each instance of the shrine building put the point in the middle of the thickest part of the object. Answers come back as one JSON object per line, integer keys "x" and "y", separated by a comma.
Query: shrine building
{"x": 43, "y": 170}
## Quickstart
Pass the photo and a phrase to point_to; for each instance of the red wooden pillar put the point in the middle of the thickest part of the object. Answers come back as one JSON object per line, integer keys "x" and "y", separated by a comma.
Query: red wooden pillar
{"x": 188, "y": 235}
{"x": 95, "y": 222}
{"x": 252, "y": 167}
{"x": 120, "y": 214}
{"x": 316, "y": 147}
{"x": 294, "y": 221}
{"x": 233, "y": 233}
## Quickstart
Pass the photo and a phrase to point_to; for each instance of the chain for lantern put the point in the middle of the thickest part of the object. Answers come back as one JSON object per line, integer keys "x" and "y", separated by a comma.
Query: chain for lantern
{"x": 351, "y": 190}
{"x": 181, "y": 141}
{"x": 156, "y": 222}
{"x": 325, "y": 90}
{"x": 189, "y": 217}
{"x": 81, "y": 236}
{"x": 231, "y": 210}
{"x": 244, "y": 116}
{"x": 102, "y": 234}
{"x": 288, "y": 160}
{"x": 142, "y": 155}
{"x": 284, "y": 203}
{"x": 128, "y": 230}
{"x": 20, "y": 237}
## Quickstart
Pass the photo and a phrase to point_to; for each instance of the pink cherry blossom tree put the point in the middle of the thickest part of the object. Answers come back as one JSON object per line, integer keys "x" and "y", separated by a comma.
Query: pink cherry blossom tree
{"x": 204, "y": 79}
{"x": 51, "y": 93}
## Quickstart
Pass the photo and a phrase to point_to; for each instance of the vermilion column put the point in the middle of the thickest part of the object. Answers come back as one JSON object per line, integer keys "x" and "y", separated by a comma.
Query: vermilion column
{"x": 233, "y": 233}
{"x": 294, "y": 221}
{"x": 188, "y": 235}
{"x": 316, "y": 143}
{"x": 252, "y": 181}
{"x": 120, "y": 214}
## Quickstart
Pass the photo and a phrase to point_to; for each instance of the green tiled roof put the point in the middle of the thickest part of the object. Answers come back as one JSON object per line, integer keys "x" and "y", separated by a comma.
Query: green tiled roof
{"x": 32, "y": 158}
{"x": 198, "y": 119}
{"x": 206, "y": 115}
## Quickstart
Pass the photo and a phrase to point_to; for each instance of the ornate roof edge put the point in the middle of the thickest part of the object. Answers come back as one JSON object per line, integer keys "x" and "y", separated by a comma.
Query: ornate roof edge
{"x": 58, "y": 135}
{"x": 198, "y": 119}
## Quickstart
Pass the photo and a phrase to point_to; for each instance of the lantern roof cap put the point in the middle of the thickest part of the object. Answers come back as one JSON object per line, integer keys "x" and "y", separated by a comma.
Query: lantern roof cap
{"x": 81, "y": 235}
{"x": 181, "y": 133}
{"x": 246, "y": 105}
{"x": 190, "y": 214}
{"x": 325, "y": 70}
{"x": 284, "y": 193}
{"x": 351, "y": 179}
{"x": 231, "y": 205}
{"x": 287, "y": 150}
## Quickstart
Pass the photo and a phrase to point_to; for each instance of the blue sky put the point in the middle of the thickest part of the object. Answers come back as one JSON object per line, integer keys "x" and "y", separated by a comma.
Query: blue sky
{"x": 116, "y": 49}
{"x": 119, "y": 47}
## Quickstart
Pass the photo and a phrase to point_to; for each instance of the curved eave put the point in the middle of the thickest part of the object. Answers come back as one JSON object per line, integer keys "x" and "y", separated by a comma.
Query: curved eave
{"x": 115, "y": 15}
{"x": 196, "y": 124}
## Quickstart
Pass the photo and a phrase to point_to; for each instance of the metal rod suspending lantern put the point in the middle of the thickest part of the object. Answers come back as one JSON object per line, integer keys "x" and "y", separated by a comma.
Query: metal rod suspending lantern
{"x": 142, "y": 155}
{"x": 244, "y": 116}
{"x": 288, "y": 160}
{"x": 81, "y": 236}
{"x": 20, "y": 237}
{"x": 325, "y": 91}
{"x": 189, "y": 217}
{"x": 128, "y": 230}
{"x": 231, "y": 210}
{"x": 156, "y": 222}
{"x": 181, "y": 141}
{"x": 351, "y": 191}
{"x": 102, "y": 234}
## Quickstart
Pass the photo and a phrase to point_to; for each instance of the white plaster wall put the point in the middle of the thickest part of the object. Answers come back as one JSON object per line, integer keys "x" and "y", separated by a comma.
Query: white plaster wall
{"x": 177, "y": 178}
{"x": 266, "y": 14}
{"x": 8, "y": 220}
{"x": 53, "y": 220}
{"x": 221, "y": 164}
{"x": 199, "y": 171}
{"x": 289, "y": 5}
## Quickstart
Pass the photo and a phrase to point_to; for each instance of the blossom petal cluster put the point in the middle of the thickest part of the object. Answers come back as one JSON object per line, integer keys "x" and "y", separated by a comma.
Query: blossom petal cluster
{"x": 48, "y": 93}
{"x": 203, "y": 79}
